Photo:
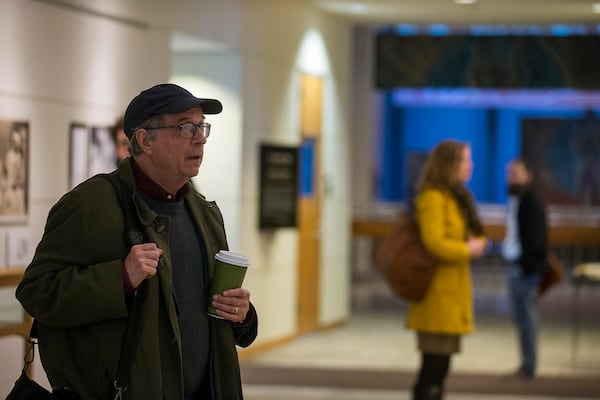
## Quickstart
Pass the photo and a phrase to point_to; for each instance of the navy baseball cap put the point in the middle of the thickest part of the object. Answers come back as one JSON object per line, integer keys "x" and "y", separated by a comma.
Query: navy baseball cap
{"x": 166, "y": 98}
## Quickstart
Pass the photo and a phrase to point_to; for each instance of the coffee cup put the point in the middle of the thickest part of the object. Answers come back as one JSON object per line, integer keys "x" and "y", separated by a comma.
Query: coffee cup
{"x": 229, "y": 273}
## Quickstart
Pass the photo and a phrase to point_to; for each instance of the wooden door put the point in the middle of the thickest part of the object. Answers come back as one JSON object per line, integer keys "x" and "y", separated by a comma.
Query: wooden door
{"x": 309, "y": 211}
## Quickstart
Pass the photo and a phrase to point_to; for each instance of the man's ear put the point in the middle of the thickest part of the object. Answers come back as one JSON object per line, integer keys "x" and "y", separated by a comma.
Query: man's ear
{"x": 142, "y": 137}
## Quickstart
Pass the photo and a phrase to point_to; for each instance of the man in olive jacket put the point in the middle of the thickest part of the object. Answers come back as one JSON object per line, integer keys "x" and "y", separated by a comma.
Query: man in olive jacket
{"x": 84, "y": 275}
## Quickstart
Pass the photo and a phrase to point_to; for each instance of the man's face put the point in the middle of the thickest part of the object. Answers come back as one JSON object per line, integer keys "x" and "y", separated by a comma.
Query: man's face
{"x": 175, "y": 159}
{"x": 517, "y": 174}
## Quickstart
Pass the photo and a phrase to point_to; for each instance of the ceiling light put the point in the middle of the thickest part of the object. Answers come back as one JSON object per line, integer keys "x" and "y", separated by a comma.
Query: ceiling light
{"x": 358, "y": 8}
{"x": 596, "y": 8}
{"x": 465, "y": 1}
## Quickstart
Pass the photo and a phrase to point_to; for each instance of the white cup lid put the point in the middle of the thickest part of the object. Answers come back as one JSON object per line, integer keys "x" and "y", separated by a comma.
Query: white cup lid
{"x": 232, "y": 258}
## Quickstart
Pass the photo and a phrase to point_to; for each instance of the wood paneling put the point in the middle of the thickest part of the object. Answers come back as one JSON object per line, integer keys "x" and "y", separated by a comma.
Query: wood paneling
{"x": 309, "y": 211}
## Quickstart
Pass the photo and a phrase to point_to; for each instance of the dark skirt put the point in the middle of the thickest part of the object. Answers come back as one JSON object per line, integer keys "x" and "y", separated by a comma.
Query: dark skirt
{"x": 438, "y": 343}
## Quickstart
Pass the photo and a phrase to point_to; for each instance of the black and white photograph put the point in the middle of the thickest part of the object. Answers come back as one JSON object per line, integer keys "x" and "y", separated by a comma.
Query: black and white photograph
{"x": 102, "y": 151}
{"x": 92, "y": 152}
{"x": 14, "y": 136}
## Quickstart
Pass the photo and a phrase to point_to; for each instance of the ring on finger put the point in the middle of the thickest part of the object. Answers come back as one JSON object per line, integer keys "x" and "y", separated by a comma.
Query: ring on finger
{"x": 236, "y": 309}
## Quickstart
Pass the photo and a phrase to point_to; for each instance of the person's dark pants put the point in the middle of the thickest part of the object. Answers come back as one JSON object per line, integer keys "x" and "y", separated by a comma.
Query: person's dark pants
{"x": 431, "y": 378}
{"x": 523, "y": 291}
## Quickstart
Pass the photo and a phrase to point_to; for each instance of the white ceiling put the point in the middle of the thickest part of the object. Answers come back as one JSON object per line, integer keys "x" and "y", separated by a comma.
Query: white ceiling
{"x": 447, "y": 12}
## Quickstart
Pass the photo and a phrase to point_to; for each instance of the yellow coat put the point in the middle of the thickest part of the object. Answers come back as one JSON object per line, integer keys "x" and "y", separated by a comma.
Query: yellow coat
{"x": 448, "y": 305}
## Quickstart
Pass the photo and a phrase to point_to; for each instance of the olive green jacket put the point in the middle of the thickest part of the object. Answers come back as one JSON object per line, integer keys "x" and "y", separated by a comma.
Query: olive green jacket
{"x": 74, "y": 288}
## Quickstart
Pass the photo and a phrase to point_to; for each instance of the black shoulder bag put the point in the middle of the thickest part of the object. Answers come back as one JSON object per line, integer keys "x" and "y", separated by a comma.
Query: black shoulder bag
{"x": 26, "y": 388}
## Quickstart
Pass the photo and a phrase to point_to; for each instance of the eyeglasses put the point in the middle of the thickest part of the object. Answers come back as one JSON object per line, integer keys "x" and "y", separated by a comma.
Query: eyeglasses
{"x": 189, "y": 130}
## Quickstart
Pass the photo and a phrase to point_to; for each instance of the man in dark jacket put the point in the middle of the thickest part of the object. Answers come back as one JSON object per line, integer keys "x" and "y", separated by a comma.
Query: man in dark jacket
{"x": 84, "y": 275}
{"x": 525, "y": 246}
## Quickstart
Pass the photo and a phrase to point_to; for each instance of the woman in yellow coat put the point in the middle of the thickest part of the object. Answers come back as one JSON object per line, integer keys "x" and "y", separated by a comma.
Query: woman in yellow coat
{"x": 452, "y": 232}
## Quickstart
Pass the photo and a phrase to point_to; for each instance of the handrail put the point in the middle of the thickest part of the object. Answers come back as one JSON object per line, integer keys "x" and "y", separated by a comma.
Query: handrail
{"x": 10, "y": 276}
{"x": 559, "y": 235}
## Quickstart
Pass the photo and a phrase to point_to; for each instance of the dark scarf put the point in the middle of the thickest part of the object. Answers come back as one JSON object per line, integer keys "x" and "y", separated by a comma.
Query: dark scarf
{"x": 466, "y": 204}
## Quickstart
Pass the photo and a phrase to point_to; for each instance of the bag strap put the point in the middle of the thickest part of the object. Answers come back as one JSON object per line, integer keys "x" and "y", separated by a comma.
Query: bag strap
{"x": 133, "y": 235}
{"x": 30, "y": 353}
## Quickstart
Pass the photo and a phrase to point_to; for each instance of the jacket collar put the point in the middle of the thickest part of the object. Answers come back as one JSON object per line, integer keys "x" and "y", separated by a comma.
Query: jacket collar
{"x": 153, "y": 189}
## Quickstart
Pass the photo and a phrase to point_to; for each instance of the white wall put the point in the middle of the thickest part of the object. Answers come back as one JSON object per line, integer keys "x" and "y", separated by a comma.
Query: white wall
{"x": 217, "y": 74}
{"x": 61, "y": 64}
{"x": 274, "y": 57}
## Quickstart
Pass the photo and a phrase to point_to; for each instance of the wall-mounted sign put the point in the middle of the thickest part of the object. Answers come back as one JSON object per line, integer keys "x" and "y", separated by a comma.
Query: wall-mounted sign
{"x": 486, "y": 61}
{"x": 278, "y": 186}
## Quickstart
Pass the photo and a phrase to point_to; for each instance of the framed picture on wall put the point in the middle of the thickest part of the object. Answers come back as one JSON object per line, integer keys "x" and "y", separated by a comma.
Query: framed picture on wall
{"x": 17, "y": 247}
{"x": 102, "y": 156}
{"x": 92, "y": 151}
{"x": 14, "y": 170}
{"x": 79, "y": 141}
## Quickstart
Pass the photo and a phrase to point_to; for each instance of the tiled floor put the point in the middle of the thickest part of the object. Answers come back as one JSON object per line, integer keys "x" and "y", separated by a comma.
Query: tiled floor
{"x": 268, "y": 392}
{"x": 378, "y": 342}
